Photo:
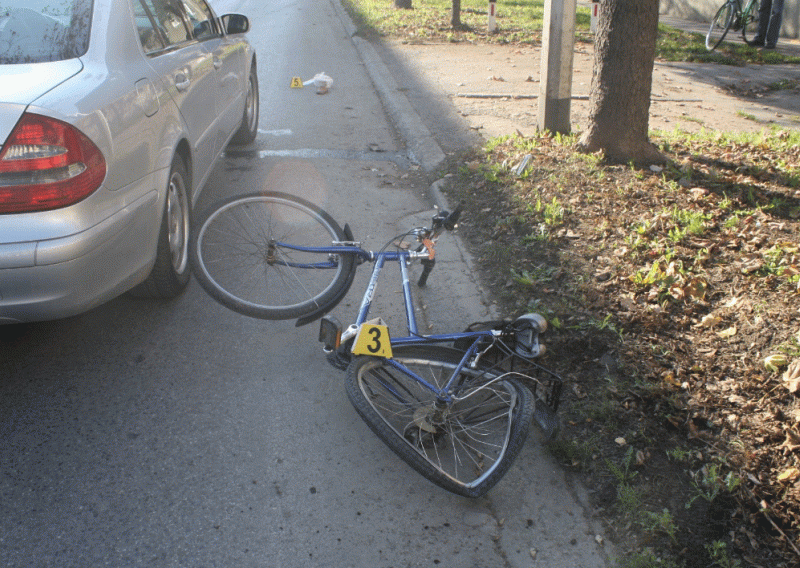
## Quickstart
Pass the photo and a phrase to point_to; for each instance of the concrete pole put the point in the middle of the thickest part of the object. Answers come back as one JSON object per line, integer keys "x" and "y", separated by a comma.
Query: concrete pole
{"x": 491, "y": 21}
{"x": 558, "y": 43}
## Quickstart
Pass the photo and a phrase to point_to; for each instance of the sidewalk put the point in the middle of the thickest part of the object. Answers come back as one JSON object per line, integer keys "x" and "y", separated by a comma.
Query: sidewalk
{"x": 440, "y": 95}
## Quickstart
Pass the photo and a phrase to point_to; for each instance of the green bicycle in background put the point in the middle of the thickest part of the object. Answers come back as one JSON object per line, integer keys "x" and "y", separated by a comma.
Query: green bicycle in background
{"x": 731, "y": 16}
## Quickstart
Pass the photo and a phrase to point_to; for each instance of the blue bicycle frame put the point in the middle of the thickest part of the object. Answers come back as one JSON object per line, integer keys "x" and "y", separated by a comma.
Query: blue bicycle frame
{"x": 402, "y": 258}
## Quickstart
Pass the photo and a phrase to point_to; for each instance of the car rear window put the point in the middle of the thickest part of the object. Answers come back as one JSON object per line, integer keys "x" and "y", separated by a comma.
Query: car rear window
{"x": 36, "y": 31}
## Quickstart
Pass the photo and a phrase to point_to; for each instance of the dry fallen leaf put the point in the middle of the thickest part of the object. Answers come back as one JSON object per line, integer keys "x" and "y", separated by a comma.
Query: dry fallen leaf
{"x": 727, "y": 333}
{"x": 750, "y": 266}
{"x": 789, "y": 475}
{"x": 791, "y": 377}
{"x": 696, "y": 288}
{"x": 698, "y": 192}
{"x": 709, "y": 321}
{"x": 792, "y": 441}
{"x": 775, "y": 362}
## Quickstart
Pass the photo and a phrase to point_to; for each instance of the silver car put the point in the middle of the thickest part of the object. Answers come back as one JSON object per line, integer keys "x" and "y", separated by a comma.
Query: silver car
{"x": 112, "y": 115}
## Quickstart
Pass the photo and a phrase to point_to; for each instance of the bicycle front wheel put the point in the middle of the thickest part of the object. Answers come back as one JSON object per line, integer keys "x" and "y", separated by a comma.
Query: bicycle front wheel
{"x": 465, "y": 446}
{"x": 719, "y": 26}
{"x": 750, "y": 22}
{"x": 241, "y": 258}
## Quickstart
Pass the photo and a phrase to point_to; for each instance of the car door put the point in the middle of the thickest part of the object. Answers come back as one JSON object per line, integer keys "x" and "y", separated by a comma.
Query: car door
{"x": 229, "y": 58}
{"x": 186, "y": 68}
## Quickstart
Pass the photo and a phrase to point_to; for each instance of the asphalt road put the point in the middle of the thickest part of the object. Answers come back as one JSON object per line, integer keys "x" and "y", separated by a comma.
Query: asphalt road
{"x": 166, "y": 434}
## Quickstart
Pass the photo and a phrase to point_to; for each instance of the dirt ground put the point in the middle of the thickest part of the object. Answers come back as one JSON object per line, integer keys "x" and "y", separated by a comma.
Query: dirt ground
{"x": 495, "y": 88}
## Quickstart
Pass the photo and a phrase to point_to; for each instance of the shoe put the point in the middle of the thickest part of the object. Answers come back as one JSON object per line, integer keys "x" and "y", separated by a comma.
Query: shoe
{"x": 773, "y": 46}
{"x": 756, "y": 43}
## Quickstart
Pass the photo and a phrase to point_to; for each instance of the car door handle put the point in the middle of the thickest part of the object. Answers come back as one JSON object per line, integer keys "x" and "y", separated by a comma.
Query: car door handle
{"x": 182, "y": 82}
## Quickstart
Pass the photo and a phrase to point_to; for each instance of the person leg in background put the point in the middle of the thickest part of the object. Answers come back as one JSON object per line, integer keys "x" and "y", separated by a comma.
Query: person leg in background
{"x": 770, "y": 16}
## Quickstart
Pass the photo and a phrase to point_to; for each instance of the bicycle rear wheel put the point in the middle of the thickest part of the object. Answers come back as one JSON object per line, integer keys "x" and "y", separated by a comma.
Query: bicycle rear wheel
{"x": 464, "y": 447}
{"x": 750, "y": 22}
{"x": 239, "y": 257}
{"x": 719, "y": 26}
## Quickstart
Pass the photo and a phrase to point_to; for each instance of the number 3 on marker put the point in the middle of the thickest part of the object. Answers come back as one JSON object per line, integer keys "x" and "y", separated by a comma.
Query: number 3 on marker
{"x": 373, "y": 340}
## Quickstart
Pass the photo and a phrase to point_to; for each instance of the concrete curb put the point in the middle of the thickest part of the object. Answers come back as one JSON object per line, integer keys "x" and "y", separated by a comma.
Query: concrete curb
{"x": 422, "y": 147}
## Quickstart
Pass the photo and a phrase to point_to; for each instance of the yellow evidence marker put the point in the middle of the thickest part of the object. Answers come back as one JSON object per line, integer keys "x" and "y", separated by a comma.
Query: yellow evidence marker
{"x": 297, "y": 83}
{"x": 373, "y": 339}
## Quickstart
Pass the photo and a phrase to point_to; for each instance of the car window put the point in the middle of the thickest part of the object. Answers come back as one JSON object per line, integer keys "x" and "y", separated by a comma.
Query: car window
{"x": 201, "y": 18}
{"x": 36, "y": 31}
{"x": 149, "y": 34}
{"x": 170, "y": 19}
{"x": 173, "y": 22}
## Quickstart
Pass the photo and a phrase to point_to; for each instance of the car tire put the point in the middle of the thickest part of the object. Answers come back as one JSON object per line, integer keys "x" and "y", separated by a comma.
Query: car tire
{"x": 171, "y": 271}
{"x": 249, "y": 126}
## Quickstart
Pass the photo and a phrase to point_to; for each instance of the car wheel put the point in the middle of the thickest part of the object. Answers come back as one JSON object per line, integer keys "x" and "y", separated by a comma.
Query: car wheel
{"x": 249, "y": 126}
{"x": 171, "y": 270}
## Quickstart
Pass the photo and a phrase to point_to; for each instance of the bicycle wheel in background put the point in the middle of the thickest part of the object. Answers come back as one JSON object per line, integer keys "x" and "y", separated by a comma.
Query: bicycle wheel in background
{"x": 238, "y": 261}
{"x": 750, "y": 22}
{"x": 719, "y": 26}
{"x": 465, "y": 447}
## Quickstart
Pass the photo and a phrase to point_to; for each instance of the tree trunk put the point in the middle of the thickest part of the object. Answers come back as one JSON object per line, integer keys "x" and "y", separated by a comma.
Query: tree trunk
{"x": 456, "y": 19}
{"x": 406, "y": 4}
{"x": 622, "y": 80}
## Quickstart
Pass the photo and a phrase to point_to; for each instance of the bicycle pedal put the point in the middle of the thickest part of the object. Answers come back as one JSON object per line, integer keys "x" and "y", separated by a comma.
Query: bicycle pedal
{"x": 330, "y": 333}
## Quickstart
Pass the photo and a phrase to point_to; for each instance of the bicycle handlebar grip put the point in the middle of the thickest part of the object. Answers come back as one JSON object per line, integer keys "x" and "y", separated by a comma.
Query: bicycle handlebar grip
{"x": 427, "y": 266}
{"x": 452, "y": 218}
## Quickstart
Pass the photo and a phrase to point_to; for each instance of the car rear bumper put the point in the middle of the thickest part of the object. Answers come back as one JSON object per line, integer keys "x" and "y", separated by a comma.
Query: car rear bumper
{"x": 55, "y": 278}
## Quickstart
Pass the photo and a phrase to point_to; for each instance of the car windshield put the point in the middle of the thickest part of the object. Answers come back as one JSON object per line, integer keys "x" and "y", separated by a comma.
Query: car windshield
{"x": 35, "y": 31}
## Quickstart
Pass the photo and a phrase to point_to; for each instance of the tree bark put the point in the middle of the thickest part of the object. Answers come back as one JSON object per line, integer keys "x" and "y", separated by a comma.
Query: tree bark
{"x": 406, "y": 4}
{"x": 622, "y": 81}
{"x": 456, "y": 19}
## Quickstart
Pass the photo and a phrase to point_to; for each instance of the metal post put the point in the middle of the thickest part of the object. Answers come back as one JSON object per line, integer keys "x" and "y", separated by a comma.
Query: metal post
{"x": 492, "y": 25}
{"x": 558, "y": 43}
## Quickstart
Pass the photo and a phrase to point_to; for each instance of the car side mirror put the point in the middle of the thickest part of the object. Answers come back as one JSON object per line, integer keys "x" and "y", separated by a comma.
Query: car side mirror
{"x": 235, "y": 24}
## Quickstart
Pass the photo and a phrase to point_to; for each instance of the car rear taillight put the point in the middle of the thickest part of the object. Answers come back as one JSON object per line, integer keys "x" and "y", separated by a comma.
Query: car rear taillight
{"x": 47, "y": 164}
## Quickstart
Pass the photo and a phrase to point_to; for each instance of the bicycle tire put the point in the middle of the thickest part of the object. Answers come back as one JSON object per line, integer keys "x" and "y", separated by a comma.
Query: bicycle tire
{"x": 750, "y": 22}
{"x": 236, "y": 260}
{"x": 465, "y": 450}
{"x": 719, "y": 26}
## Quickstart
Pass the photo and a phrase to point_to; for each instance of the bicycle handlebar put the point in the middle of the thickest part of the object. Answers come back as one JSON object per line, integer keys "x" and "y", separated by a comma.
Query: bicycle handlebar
{"x": 444, "y": 220}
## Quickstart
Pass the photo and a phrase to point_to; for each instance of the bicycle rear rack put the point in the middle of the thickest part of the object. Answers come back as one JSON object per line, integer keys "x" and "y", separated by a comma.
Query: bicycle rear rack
{"x": 545, "y": 384}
